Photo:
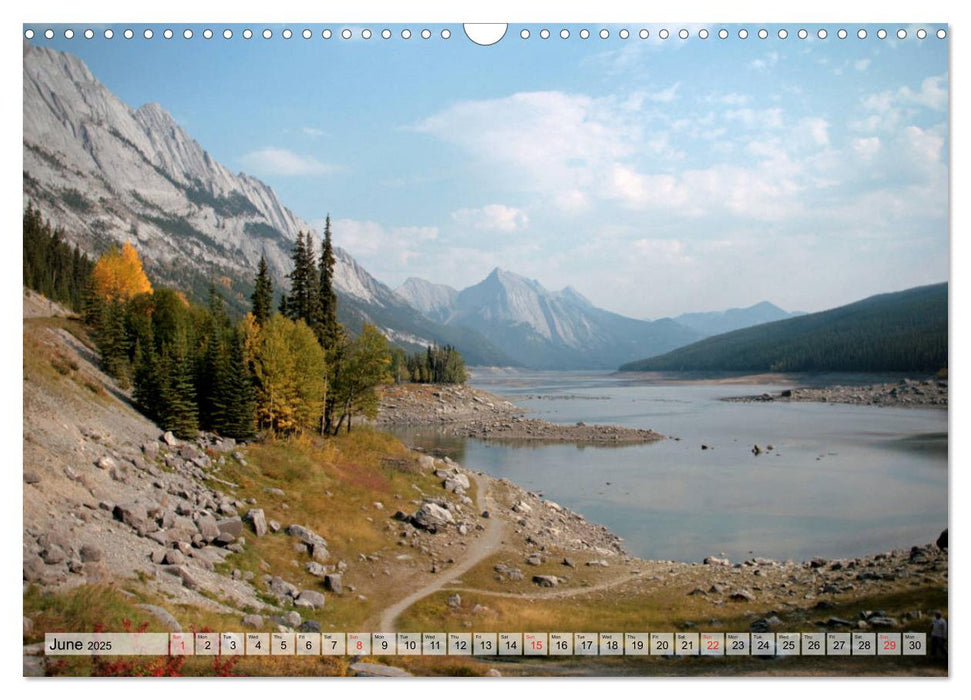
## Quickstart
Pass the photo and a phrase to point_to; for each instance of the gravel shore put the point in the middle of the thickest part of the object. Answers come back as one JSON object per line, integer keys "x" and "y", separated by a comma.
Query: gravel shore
{"x": 906, "y": 392}
{"x": 469, "y": 412}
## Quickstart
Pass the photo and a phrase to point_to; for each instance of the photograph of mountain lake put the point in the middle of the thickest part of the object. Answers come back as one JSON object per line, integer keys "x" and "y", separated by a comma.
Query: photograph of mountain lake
{"x": 527, "y": 350}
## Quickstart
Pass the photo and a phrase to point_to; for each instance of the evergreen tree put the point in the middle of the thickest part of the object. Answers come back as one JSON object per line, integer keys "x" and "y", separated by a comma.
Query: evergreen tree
{"x": 262, "y": 294}
{"x": 328, "y": 329}
{"x": 113, "y": 342}
{"x": 303, "y": 302}
{"x": 50, "y": 266}
{"x": 234, "y": 403}
{"x": 178, "y": 410}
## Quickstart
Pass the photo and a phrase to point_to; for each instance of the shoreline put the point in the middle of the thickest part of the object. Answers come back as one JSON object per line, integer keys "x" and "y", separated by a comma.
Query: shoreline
{"x": 907, "y": 393}
{"x": 473, "y": 413}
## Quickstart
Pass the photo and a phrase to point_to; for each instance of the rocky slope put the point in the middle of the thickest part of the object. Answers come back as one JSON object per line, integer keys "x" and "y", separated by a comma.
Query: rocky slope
{"x": 109, "y": 173}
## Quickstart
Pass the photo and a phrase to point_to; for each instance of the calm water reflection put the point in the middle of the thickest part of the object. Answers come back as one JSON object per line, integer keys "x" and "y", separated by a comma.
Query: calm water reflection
{"x": 840, "y": 481}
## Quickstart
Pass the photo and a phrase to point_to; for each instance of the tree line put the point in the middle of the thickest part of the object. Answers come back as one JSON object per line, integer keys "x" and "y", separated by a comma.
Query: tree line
{"x": 434, "y": 365}
{"x": 899, "y": 332}
{"x": 280, "y": 369}
{"x": 52, "y": 267}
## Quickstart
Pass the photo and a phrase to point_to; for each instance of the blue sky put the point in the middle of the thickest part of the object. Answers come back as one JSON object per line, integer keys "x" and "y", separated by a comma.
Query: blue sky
{"x": 655, "y": 176}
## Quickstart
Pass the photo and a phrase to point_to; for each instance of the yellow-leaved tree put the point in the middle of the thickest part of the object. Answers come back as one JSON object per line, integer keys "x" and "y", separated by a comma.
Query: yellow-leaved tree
{"x": 118, "y": 275}
{"x": 290, "y": 369}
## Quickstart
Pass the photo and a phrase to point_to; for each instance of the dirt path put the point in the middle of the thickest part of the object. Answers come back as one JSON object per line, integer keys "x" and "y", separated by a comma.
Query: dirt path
{"x": 484, "y": 546}
{"x": 552, "y": 594}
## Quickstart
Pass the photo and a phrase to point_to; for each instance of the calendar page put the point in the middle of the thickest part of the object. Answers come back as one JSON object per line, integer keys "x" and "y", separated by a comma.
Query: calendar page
{"x": 546, "y": 349}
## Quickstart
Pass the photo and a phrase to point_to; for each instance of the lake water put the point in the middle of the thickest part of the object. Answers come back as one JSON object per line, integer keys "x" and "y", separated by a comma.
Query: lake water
{"x": 841, "y": 481}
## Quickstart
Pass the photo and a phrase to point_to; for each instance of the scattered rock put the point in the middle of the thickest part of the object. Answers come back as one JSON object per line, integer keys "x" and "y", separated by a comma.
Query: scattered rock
{"x": 310, "y": 599}
{"x": 169, "y": 439}
{"x": 257, "y": 519}
{"x": 369, "y": 670}
{"x": 31, "y": 477}
{"x": 545, "y": 581}
{"x": 743, "y": 594}
{"x": 162, "y": 615}
{"x": 334, "y": 583}
{"x": 455, "y": 601}
{"x": 432, "y": 516}
{"x": 90, "y": 552}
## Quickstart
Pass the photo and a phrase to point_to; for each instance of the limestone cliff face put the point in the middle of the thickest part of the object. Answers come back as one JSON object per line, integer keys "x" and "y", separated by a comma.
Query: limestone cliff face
{"x": 108, "y": 173}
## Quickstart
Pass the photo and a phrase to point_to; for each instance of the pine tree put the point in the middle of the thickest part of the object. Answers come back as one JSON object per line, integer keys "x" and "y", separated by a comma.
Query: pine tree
{"x": 262, "y": 294}
{"x": 303, "y": 302}
{"x": 235, "y": 399}
{"x": 328, "y": 329}
{"x": 179, "y": 412}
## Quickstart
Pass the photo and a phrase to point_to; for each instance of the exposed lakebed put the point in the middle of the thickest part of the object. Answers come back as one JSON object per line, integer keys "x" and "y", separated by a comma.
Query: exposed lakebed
{"x": 839, "y": 481}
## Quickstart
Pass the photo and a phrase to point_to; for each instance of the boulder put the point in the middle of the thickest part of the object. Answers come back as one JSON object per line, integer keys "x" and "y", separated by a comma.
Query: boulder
{"x": 207, "y": 526}
{"x": 743, "y": 594}
{"x": 715, "y": 561}
{"x": 455, "y": 601}
{"x": 453, "y": 485}
{"x": 174, "y": 557}
{"x": 292, "y": 618}
{"x": 169, "y": 439}
{"x": 90, "y": 552}
{"x": 231, "y": 526}
{"x": 106, "y": 462}
{"x": 134, "y": 515}
{"x": 150, "y": 450}
{"x": 316, "y": 569}
{"x": 363, "y": 669}
{"x": 280, "y": 587}
{"x": 307, "y": 536}
{"x": 426, "y": 462}
{"x": 311, "y": 626}
{"x": 310, "y": 599}
{"x": 53, "y": 555}
{"x": 334, "y": 583}
{"x": 31, "y": 477}
{"x": 522, "y": 507}
{"x": 254, "y": 621}
{"x": 432, "y": 516}
{"x": 162, "y": 615}
{"x": 545, "y": 581}
{"x": 942, "y": 540}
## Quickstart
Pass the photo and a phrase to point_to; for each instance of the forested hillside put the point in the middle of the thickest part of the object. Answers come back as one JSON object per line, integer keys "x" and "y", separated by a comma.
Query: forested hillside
{"x": 899, "y": 332}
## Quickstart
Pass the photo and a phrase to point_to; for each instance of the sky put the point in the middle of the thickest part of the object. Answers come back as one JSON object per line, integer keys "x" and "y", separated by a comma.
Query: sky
{"x": 655, "y": 176}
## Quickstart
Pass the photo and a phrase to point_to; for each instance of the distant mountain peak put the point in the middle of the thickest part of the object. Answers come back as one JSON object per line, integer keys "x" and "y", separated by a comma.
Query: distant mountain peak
{"x": 709, "y": 323}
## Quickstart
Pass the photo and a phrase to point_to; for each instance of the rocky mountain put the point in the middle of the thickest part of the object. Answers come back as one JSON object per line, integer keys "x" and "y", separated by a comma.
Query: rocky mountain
{"x": 436, "y": 301}
{"x": 716, "y": 322}
{"x": 108, "y": 173}
{"x": 544, "y": 329}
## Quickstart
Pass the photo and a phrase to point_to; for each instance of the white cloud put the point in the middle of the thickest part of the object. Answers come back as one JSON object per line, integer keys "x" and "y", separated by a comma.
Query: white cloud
{"x": 311, "y": 131}
{"x": 862, "y": 64}
{"x": 280, "y": 161}
{"x": 866, "y": 148}
{"x": 891, "y": 108}
{"x": 492, "y": 217}
{"x": 763, "y": 64}
{"x": 369, "y": 240}
{"x": 818, "y": 130}
{"x": 666, "y": 95}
